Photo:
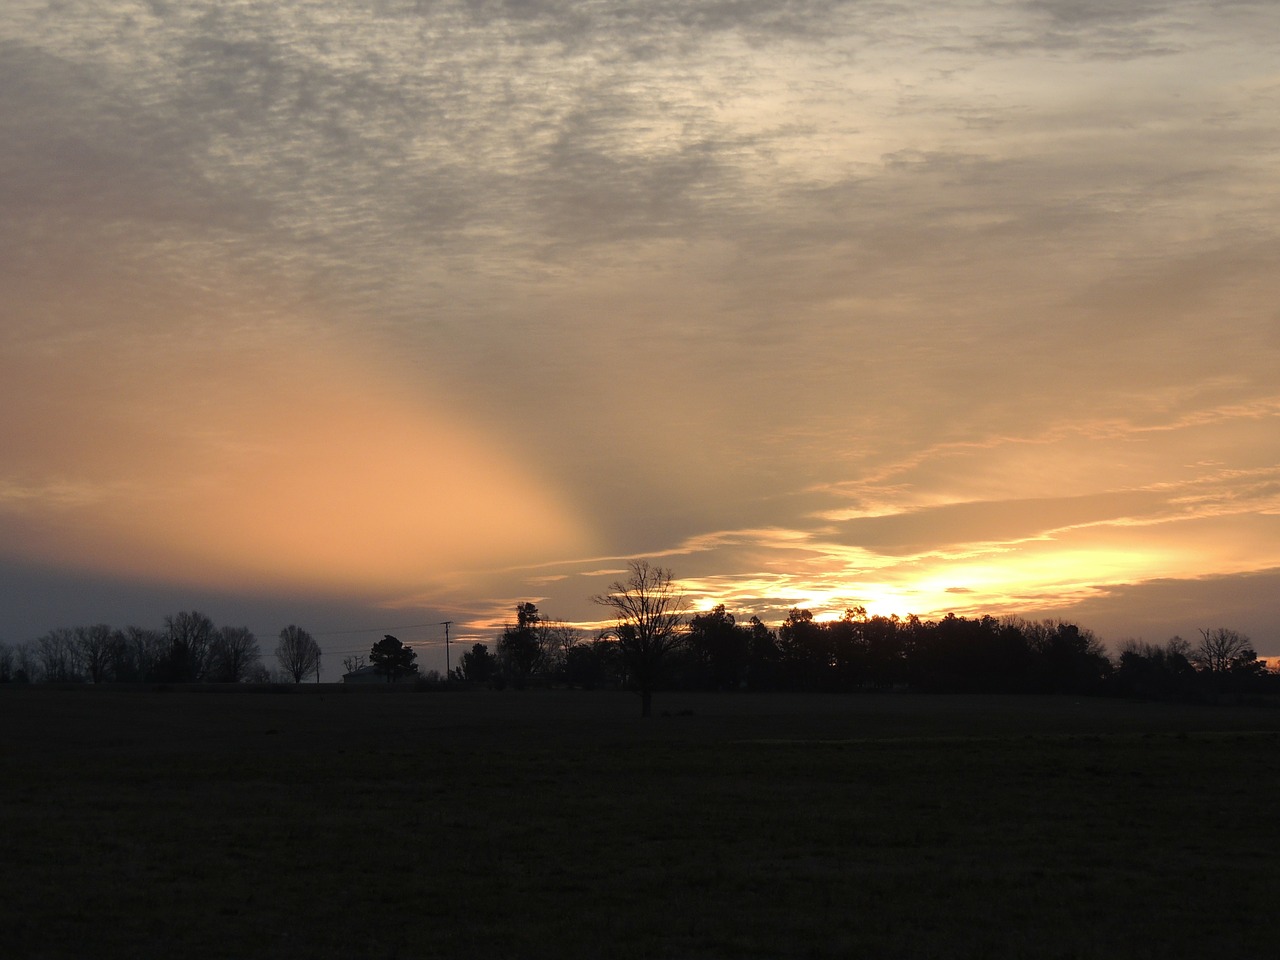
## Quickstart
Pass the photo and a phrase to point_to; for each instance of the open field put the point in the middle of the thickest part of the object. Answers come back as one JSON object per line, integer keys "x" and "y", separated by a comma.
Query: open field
{"x": 373, "y": 823}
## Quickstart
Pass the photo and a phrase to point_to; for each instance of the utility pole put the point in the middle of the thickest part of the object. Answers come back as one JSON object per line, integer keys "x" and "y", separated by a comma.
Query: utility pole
{"x": 447, "y": 671}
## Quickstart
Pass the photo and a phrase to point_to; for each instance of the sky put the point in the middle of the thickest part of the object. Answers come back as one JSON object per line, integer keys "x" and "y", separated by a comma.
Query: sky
{"x": 370, "y": 315}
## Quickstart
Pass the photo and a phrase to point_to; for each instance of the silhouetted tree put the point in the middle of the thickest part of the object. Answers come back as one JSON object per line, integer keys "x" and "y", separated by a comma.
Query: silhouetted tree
{"x": 119, "y": 662}
{"x": 1066, "y": 658}
{"x": 847, "y": 642}
{"x": 1226, "y": 662}
{"x": 233, "y": 653}
{"x": 959, "y": 654}
{"x": 478, "y": 666}
{"x": 298, "y": 653}
{"x": 805, "y": 656}
{"x": 26, "y": 665}
{"x": 594, "y": 664}
{"x": 913, "y": 638}
{"x": 59, "y": 656}
{"x": 520, "y": 646}
{"x": 649, "y": 614}
{"x": 190, "y": 636}
{"x": 721, "y": 649}
{"x": 393, "y": 658}
{"x": 138, "y": 654}
{"x": 1151, "y": 672}
{"x": 886, "y": 661}
{"x": 763, "y": 656}
{"x": 95, "y": 647}
{"x": 557, "y": 640}
{"x": 1223, "y": 651}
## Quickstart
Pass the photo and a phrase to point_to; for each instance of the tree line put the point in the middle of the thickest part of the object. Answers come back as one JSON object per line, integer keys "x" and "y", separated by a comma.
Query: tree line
{"x": 859, "y": 652}
{"x": 189, "y": 648}
{"x": 654, "y": 643}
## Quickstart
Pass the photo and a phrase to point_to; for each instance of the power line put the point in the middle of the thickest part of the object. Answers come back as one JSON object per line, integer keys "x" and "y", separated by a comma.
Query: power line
{"x": 408, "y": 642}
{"x": 339, "y": 633}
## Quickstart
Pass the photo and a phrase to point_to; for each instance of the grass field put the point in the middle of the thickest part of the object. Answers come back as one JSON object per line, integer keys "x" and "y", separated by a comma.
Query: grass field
{"x": 337, "y": 823}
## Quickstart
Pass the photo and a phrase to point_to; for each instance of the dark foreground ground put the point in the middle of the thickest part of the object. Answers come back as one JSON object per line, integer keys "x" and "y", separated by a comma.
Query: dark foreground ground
{"x": 334, "y": 823}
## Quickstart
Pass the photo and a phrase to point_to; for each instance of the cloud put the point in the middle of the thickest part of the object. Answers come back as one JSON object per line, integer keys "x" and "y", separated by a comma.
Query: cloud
{"x": 1011, "y": 521}
{"x": 1162, "y": 608}
{"x": 821, "y": 301}
{"x": 292, "y": 470}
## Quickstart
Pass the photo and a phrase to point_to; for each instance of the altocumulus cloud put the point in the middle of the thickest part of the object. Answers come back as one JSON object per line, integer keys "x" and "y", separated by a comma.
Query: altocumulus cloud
{"x": 818, "y": 300}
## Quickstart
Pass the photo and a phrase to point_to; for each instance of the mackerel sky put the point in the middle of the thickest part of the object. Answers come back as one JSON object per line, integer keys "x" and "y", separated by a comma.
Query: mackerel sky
{"x": 371, "y": 315}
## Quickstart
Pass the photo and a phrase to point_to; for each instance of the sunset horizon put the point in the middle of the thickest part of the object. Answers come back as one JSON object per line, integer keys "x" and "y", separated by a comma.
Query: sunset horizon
{"x": 375, "y": 316}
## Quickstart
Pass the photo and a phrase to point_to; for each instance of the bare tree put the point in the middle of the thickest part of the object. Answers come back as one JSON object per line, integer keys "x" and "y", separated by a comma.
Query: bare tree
{"x": 95, "y": 646}
{"x": 26, "y": 663}
{"x": 649, "y": 614}
{"x": 1177, "y": 647}
{"x": 233, "y": 654}
{"x": 190, "y": 635}
{"x": 59, "y": 656}
{"x": 557, "y": 639}
{"x": 298, "y": 653}
{"x": 138, "y": 654}
{"x": 1222, "y": 651}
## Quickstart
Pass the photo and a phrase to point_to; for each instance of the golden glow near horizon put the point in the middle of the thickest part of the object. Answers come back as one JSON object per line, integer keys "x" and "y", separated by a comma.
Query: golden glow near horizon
{"x": 303, "y": 471}
{"x": 961, "y": 307}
